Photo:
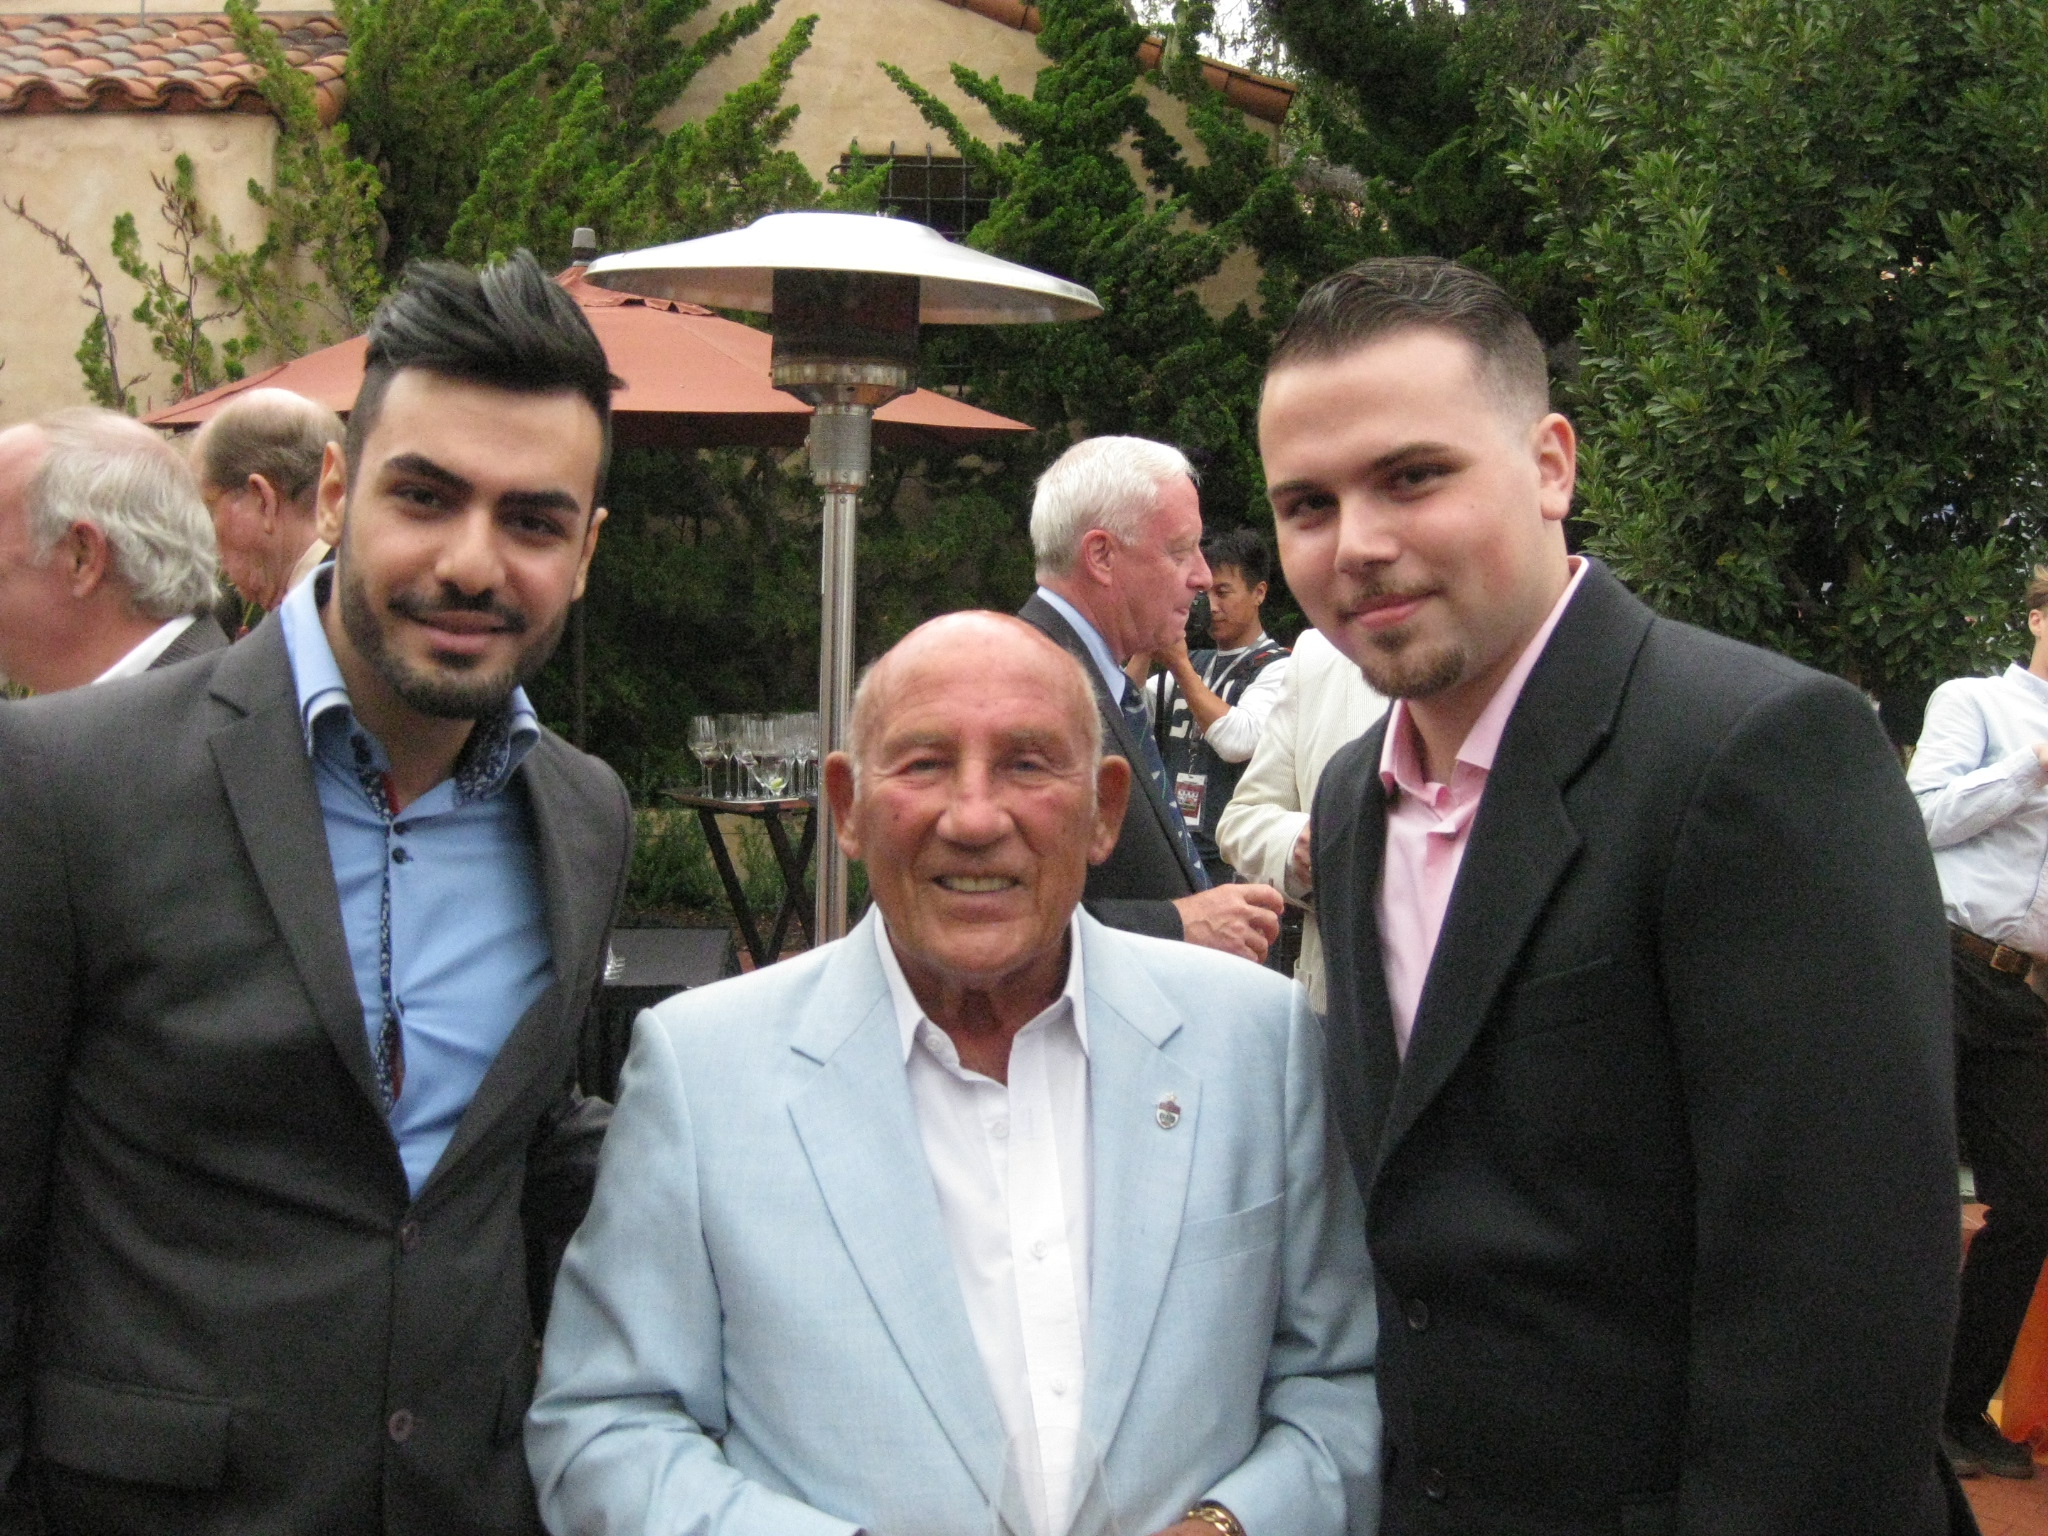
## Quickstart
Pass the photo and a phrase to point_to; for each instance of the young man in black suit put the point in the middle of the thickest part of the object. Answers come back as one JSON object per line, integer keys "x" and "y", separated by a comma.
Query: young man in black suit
{"x": 1637, "y": 982}
{"x": 294, "y": 945}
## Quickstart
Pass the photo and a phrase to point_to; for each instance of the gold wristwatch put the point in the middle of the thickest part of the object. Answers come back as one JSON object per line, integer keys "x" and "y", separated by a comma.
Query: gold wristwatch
{"x": 1209, "y": 1512}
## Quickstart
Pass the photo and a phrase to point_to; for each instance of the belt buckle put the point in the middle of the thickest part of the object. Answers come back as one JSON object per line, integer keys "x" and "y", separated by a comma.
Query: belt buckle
{"x": 2013, "y": 962}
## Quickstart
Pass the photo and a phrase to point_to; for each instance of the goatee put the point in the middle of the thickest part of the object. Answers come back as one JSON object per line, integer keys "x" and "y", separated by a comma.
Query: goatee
{"x": 451, "y": 692}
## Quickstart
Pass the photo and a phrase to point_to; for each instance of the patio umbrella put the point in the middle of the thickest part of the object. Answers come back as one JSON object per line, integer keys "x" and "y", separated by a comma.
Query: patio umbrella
{"x": 693, "y": 380}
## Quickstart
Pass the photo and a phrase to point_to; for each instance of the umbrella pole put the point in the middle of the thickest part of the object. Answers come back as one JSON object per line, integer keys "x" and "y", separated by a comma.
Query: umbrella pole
{"x": 840, "y": 443}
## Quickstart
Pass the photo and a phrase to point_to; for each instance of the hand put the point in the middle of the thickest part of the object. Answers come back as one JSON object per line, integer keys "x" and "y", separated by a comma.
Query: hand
{"x": 1240, "y": 920}
{"x": 1174, "y": 658}
{"x": 2041, "y": 754}
{"x": 1189, "y": 1528}
{"x": 1298, "y": 869}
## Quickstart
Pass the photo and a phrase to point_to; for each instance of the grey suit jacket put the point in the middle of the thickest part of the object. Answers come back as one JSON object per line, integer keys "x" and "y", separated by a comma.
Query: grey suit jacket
{"x": 203, "y": 634}
{"x": 1136, "y": 886}
{"x": 760, "y": 1330}
{"x": 223, "y": 1309}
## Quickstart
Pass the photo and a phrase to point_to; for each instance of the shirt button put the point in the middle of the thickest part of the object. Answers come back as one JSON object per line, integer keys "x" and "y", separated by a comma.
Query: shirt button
{"x": 400, "y": 856}
{"x": 1059, "y": 1389}
{"x": 1038, "y": 1249}
{"x": 401, "y": 827}
{"x": 400, "y": 1426}
{"x": 1435, "y": 1485}
{"x": 1417, "y": 1313}
{"x": 409, "y": 1236}
{"x": 999, "y": 1129}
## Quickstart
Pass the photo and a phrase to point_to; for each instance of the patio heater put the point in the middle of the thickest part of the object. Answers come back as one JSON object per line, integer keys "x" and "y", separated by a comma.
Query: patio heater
{"x": 847, "y": 292}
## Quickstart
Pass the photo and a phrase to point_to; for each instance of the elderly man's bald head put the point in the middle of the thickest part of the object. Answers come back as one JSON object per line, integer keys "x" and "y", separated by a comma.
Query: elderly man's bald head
{"x": 981, "y": 799}
{"x": 961, "y": 641}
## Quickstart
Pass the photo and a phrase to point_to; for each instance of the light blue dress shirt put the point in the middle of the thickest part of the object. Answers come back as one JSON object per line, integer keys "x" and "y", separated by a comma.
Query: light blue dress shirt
{"x": 469, "y": 949}
{"x": 1113, "y": 676}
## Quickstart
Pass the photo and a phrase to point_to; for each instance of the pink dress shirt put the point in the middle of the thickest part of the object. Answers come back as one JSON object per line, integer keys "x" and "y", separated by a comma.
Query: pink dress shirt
{"x": 1428, "y": 826}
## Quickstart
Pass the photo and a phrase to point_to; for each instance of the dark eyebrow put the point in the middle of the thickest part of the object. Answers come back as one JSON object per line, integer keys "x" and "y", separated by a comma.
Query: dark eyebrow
{"x": 420, "y": 467}
{"x": 1384, "y": 462}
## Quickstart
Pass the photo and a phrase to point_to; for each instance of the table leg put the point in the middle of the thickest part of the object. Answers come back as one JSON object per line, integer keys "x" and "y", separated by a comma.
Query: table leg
{"x": 792, "y": 863}
{"x": 742, "y": 913}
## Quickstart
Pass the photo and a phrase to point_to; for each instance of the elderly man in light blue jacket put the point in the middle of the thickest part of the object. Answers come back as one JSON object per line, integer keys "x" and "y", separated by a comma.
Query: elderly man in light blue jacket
{"x": 986, "y": 1213}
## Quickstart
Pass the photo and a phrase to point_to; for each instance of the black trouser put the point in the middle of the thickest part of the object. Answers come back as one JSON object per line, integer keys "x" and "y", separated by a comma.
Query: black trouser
{"x": 2002, "y": 1118}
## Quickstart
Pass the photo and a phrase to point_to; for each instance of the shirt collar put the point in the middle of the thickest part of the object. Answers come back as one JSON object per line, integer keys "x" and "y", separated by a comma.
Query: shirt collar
{"x": 1400, "y": 755}
{"x": 154, "y": 644}
{"x": 910, "y": 1015}
{"x": 494, "y": 751}
{"x": 2020, "y": 677}
{"x": 1106, "y": 664}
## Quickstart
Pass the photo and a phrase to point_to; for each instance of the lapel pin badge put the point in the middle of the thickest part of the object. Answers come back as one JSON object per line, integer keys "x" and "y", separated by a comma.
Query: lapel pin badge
{"x": 1168, "y": 1113}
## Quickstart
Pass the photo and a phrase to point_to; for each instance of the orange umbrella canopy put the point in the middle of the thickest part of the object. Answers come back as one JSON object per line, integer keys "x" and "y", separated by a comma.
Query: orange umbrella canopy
{"x": 692, "y": 380}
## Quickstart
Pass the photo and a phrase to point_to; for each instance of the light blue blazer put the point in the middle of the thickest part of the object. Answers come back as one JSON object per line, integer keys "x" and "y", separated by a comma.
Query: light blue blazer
{"x": 758, "y": 1330}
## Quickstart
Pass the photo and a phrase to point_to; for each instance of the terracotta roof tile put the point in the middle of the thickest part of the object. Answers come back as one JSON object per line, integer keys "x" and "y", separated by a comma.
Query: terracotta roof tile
{"x": 177, "y": 63}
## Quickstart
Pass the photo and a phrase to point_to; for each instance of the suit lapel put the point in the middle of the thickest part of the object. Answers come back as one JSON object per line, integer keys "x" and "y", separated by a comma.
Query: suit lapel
{"x": 1139, "y": 1172}
{"x": 859, "y": 1132}
{"x": 1118, "y": 738}
{"x": 268, "y": 778}
{"x": 565, "y": 834}
{"x": 1523, "y": 839}
{"x": 1363, "y": 1063}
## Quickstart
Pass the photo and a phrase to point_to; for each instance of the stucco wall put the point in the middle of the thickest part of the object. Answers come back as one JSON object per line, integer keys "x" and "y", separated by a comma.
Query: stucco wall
{"x": 844, "y": 96}
{"x": 77, "y": 172}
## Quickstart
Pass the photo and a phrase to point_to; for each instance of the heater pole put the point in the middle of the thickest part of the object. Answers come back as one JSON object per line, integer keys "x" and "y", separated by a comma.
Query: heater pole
{"x": 839, "y": 450}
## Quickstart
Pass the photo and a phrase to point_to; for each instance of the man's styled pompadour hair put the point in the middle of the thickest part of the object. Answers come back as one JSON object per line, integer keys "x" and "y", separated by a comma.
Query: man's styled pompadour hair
{"x": 508, "y": 325}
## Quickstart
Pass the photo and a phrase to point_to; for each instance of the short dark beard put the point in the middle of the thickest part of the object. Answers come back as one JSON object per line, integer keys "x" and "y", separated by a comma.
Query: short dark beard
{"x": 1402, "y": 676}
{"x": 444, "y": 696}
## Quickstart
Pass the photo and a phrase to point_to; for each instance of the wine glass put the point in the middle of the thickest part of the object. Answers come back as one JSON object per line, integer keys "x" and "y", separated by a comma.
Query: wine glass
{"x": 806, "y": 749}
{"x": 771, "y": 763}
{"x": 729, "y": 728}
{"x": 704, "y": 747}
{"x": 1053, "y": 1485}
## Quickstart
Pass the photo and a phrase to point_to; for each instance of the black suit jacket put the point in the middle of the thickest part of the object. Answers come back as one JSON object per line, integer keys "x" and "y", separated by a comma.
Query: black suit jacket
{"x": 1662, "y": 1201}
{"x": 1136, "y": 886}
{"x": 223, "y": 1310}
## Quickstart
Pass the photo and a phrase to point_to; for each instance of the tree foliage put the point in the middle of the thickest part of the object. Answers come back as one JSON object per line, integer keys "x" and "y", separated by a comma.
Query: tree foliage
{"x": 1068, "y": 200}
{"x": 1414, "y": 99}
{"x": 1814, "y": 264}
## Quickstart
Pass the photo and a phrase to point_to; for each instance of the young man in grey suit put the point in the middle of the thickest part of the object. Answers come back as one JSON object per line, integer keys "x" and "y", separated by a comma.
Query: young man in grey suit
{"x": 294, "y": 944}
{"x": 984, "y": 1197}
{"x": 1116, "y": 528}
{"x": 1637, "y": 974}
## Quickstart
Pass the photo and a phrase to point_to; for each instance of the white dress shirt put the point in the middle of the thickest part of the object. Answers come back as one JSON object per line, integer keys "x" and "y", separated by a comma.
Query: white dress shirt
{"x": 1984, "y": 797}
{"x": 137, "y": 661}
{"x": 1010, "y": 1165}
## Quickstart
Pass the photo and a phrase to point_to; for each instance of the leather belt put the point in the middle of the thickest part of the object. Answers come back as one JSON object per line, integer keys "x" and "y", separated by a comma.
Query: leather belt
{"x": 2000, "y": 957}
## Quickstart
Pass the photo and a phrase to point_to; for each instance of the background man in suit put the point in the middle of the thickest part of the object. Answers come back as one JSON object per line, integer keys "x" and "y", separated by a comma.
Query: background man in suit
{"x": 294, "y": 943}
{"x": 1116, "y": 527}
{"x": 258, "y": 460}
{"x": 1264, "y": 832}
{"x": 983, "y": 1172}
{"x": 1637, "y": 983}
{"x": 106, "y": 555}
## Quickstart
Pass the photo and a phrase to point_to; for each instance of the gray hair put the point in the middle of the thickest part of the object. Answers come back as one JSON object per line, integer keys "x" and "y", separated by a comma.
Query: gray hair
{"x": 99, "y": 467}
{"x": 269, "y": 432}
{"x": 1111, "y": 483}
